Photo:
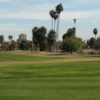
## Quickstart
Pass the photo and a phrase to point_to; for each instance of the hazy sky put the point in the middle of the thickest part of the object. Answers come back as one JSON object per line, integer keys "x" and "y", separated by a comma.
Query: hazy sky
{"x": 20, "y": 16}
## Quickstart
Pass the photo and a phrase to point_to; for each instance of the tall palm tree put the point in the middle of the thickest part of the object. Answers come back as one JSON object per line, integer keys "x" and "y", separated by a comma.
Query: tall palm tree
{"x": 74, "y": 21}
{"x": 59, "y": 9}
{"x": 52, "y": 16}
{"x": 95, "y": 31}
{"x": 55, "y": 16}
{"x": 10, "y": 41}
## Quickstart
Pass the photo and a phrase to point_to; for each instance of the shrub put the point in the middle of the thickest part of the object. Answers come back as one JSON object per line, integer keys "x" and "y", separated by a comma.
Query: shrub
{"x": 71, "y": 44}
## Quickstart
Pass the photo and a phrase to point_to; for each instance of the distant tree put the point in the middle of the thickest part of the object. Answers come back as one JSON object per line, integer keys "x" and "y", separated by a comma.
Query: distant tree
{"x": 71, "y": 44}
{"x": 5, "y": 45}
{"x": 43, "y": 45}
{"x": 91, "y": 42}
{"x": 13, "y": 45}
{"x": 70, "y": 32}
{"x": 10, "y": 37}
{"x": 95, "y": 31}
{"x": 39, "y": 36}
{"x": 35, "y": 36}
{"x": 42, "y": 36}
{"x": 97, "y": 44}
{"x": 18, "y": 44}
{"x": 30, "y": 45}
{"x": 24, "y": 45}
{"x": 1, "y": 39}
{"x": 51, "y": 39}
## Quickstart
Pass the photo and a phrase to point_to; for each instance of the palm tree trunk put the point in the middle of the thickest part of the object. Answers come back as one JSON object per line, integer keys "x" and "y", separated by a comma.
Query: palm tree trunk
{"x": 57, "y": 33}
{"x": 38, "y": 47}
{"x": 54, "y": 24}
{"x": 32, "y": 44}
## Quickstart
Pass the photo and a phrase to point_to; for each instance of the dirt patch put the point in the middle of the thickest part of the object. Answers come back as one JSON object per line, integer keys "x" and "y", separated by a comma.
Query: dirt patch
{"x": 2, "y": 64}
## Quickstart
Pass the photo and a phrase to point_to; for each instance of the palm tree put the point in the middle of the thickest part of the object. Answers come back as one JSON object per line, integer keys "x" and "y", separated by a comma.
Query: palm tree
{"x": 55, "y": 16}
{"x": 74, "y": 21}
{"x": 52, "y": 15}
{"x": 59, "y": 9}
{"x": 10, "y": 38}
{"x": 95, "y": 31}
{"x": 10, "y": 41}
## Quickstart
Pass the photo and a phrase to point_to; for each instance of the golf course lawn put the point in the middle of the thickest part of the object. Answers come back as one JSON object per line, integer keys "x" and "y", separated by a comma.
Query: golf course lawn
{"x": 37, "y": 76}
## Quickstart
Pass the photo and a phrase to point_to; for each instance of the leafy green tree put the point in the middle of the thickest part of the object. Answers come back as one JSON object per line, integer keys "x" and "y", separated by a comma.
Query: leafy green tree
{"x": 18, "y": 44}
{"x": 71, "y": 44}
{"x": 43, "y": 45}
{"x": 5, "y": 45}
{"x": 35, "y": 36}
{"x": 70, "y": 32}
{"x": 42, "y": 36}
{"x": 97, "y": 44}
{"x": 13, "y": 45}
{"x": 24, "y": 45}
{"x": 39, "y": 36}
{"x": 1, "y": 39}
{"x": 30, "y": 45}
{"x": 51, "y": 39}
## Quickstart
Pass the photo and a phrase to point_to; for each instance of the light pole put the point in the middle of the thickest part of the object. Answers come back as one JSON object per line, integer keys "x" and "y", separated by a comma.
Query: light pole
{"x": 74, "y": 21}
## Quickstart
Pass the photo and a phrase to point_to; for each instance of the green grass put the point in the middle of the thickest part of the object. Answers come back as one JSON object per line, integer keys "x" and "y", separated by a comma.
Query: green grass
{"x": 20, "y": 57}
{"x": 49, "y": 81}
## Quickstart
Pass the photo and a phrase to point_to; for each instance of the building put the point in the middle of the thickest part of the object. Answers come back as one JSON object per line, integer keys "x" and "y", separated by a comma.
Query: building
{"x": 22, "y": 36}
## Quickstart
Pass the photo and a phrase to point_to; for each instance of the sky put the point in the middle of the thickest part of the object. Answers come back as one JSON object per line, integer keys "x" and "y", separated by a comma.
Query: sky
{"x": 21, "y": 16}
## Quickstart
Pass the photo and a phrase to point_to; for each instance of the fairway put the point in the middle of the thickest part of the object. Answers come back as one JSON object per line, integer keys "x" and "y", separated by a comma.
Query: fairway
{"x": 45, "y": 76}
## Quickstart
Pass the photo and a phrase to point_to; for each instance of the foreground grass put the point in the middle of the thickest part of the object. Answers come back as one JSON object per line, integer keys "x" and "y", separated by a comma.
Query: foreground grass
{"x": 50, "y": 78}
{"x": 64, "y": 81}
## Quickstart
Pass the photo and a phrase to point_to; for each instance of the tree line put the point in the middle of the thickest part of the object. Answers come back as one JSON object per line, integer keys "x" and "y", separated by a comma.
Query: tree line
{"x": 49, "y": 41}
{"x": 41, "y": 41}
{"x": 14, "y": 45}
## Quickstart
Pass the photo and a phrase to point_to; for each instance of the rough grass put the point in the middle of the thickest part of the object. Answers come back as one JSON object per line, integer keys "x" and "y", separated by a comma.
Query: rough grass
{"x": 66, "y": 80}
{"x": 18, "y": 56}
